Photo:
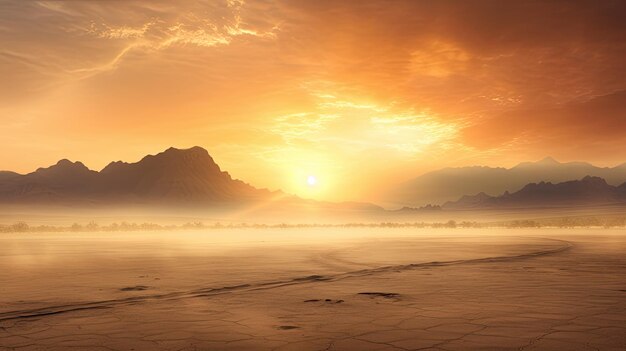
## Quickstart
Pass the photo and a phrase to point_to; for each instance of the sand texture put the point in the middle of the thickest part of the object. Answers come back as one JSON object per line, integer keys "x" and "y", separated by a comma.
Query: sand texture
{"x": 315, "y": 289}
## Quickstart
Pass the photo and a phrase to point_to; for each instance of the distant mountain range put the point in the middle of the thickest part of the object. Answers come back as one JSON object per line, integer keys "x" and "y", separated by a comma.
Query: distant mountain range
{"x": 449, "y": 184}
{"x": 191, "y": 177}
{"x": 589, "y": 191}
{"x": 175, "y": 176}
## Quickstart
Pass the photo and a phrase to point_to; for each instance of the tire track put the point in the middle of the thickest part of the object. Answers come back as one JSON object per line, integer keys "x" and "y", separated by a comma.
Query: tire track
{"x": 207, "y": 292}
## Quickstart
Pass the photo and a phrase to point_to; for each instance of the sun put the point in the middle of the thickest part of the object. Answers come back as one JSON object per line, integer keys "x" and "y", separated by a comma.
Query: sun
{"x": 311, "y": 180}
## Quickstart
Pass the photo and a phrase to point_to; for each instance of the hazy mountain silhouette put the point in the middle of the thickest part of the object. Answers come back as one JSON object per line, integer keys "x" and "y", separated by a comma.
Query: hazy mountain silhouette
{"x": 4, "y": 175}
{"x": 449, "y": 184}
{"x": 587, "y": 191}
{"x": 189, "y": 175}
{"x": 174, "y": 175}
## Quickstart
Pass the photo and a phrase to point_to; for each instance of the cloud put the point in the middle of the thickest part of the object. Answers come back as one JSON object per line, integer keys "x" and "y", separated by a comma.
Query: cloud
{"x": 88, "y": 38}
{"x": 122, "y": 32}
{"x": 188, "y": 29}
{"x": 600, "y": 119}
{"x": 356, "y": 127}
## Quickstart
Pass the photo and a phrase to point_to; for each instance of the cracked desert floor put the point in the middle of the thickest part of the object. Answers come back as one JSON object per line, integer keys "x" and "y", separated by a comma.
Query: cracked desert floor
{"x": 315, "y": 289}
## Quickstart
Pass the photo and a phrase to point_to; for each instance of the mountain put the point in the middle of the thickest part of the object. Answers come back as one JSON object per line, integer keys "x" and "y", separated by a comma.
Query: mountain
{"x": 187, "y": 175}
{"x": 587, "y": 191}
{"x": 4, "y": 175}
{"x": 449, "y": 184}
{"x": 175, "y": 175}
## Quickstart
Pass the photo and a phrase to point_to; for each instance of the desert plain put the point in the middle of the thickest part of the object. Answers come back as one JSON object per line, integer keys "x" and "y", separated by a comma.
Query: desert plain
{"x": 315, "y": 289}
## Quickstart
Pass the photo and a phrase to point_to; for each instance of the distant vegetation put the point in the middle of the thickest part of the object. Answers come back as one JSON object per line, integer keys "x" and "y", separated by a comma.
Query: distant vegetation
{"x": 568, "y": 222}
{"x": 560, "y": 222}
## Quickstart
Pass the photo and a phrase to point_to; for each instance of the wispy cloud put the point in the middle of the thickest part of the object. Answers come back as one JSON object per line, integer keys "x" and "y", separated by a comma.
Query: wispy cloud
{"x": 162, "y": 31}
{"x": 348, "y": 126}
{"x": 121, "y": 32}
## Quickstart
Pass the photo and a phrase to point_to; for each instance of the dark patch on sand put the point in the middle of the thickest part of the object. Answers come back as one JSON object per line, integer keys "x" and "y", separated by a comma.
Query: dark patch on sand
{"x": 135, "y": 288}
{"x": 386, "y": 295}
{"x": 325, "y": 300}
{"x": 287, "y": 327}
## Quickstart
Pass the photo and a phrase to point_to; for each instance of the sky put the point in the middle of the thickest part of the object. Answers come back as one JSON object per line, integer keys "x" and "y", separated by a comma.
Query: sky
{"x": 358, "y": 94}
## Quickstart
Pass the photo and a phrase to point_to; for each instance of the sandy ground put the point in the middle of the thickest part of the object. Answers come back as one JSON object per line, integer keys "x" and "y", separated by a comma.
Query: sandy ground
{"x": 315, "y": 289}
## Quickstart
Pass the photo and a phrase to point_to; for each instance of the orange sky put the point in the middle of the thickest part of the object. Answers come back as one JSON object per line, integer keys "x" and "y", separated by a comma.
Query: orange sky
{"x": 359, "y": 94}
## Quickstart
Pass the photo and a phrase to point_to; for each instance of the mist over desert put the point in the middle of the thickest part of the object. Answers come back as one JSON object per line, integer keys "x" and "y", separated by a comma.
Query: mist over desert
{"x": 312, "y": 175}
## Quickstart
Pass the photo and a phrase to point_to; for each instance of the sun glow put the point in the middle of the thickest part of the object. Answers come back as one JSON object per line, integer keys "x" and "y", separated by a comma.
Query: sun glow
{"x": 311, "y": 180}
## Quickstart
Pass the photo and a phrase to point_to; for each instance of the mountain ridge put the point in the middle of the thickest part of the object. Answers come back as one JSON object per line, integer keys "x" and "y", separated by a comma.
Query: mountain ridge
{"x": 179, "y": 175}
{"x": 586, "y": 191}
{"x": 450, "y": 183}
